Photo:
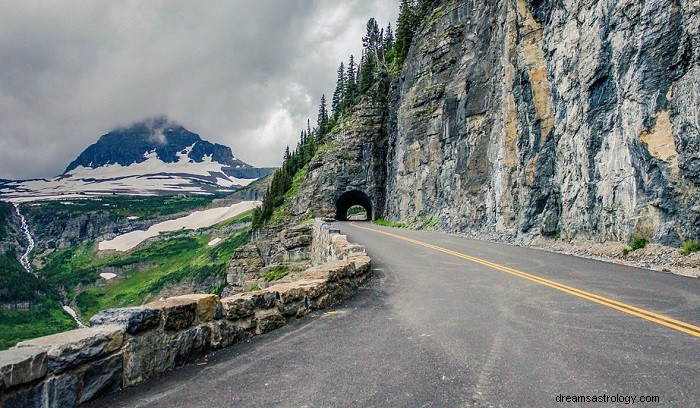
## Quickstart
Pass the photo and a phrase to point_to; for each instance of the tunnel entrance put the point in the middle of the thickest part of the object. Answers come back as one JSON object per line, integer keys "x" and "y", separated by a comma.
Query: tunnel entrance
{"x": 351, "y": 199}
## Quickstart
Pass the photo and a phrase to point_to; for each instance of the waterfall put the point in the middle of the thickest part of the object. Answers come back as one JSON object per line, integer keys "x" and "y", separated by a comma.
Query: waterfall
{"x": 24, "y": 259}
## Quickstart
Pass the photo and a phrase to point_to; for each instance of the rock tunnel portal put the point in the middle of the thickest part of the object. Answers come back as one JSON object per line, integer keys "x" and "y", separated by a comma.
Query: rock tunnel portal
{"x": 349, "y": 199}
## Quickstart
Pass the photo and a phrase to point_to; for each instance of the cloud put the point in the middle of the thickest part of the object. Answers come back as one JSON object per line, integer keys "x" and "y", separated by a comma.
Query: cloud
{"x": 241, "y": 73}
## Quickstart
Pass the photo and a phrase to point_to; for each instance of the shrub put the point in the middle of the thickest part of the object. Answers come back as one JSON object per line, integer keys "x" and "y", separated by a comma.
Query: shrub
{"x": 276, "y": 273}
{"x": 689, "y": 246}
{"x": 386, "y": 223}
{"x": 638, "y": 243}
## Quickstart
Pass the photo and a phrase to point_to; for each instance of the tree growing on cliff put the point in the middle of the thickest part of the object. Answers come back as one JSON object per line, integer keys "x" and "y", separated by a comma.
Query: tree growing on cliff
{"x": 339, "y": 93}
{"x": 406, "y": 26}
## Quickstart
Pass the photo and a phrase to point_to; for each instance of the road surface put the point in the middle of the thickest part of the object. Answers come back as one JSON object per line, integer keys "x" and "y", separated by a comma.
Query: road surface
{"x": 449, "y": 322}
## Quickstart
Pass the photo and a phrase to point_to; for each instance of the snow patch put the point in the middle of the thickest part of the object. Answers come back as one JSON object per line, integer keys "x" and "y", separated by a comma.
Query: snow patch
{"x": 213, "y": 242}
{"x": 108, "y": 276}
{"x": 196, "y": 220}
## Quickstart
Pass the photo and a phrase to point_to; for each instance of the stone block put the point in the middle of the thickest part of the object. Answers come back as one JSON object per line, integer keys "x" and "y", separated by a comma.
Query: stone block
{"x": 144, "y": 355}
{"x": 313, "y": 288}
{"x": 20, "y": 366}
{"x": 268, "y": 320}
{"x": 288, "y": 291}
{"x": 190, "y": 345}
{"x": 61, "y": 392}
{"x": 102, "y": 377}
{"x": 177, "y": 314}
{"x": 32, "y": 397}
{"x": 244, "y": 305}
{"x": 238, "y": 306}
{"x": 133, "y": 319}
{"x": 208, "y": 306}
{"x": 225, "y": 333}
{"x": 76, "y": 347}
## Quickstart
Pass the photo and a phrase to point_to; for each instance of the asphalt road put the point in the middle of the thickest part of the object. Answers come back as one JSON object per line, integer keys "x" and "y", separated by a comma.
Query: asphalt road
{"x": 433, "y": 329}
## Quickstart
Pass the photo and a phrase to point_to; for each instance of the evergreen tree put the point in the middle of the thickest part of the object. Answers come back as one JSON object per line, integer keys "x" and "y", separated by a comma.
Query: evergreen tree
{"x": 322, "y": 120}
{"x": 351, "y": 83}
{"x": 406, "y": 26}
{"x": 339, "y": 93}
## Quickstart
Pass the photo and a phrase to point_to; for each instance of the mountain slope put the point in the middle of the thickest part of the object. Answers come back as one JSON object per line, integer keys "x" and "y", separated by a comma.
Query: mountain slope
{"x": 153, "y": 156}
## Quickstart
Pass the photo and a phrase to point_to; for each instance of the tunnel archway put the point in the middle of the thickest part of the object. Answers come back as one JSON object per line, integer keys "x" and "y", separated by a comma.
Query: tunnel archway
{"x": 349, "y": 199}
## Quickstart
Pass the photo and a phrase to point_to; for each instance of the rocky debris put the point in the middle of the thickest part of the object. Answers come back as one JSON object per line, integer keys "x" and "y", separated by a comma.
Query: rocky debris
{"x": 133, "y": 319}
{"x": 72, "y": 348}
{"x": 23, "y": 366}
{"x": 656, "y": 257}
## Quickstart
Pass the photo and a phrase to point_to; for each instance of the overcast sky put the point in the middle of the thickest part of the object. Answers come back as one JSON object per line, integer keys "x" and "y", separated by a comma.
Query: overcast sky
{"x": 244, "y": 73}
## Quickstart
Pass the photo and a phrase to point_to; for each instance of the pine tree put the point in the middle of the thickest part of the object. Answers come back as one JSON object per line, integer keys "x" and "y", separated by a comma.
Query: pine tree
{"x": 322, "y": 120}
{"x": 351, "y": 83}
{"x": 406, "y": 26}
{"x": 339, "y": 93}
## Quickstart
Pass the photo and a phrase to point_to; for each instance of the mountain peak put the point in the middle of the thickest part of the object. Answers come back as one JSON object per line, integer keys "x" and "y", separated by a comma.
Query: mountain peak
{"x": 167, "y": 139}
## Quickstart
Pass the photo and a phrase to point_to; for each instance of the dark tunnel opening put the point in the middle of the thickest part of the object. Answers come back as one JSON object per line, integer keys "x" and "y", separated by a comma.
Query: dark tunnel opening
{"x": 349, "y": 199}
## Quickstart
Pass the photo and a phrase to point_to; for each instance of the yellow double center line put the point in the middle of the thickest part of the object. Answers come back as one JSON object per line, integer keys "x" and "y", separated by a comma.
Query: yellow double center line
{"x": 623, "y": 307}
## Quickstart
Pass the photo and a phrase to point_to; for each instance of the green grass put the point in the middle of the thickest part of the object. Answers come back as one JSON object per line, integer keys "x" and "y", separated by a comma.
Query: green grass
{"x": 387, "y": 223}
{"x": 170, "y": 262}
{"x": 689, "y": 246}
{"x": 46, "y": 319}
{"x": 43, "y": 318}
{"x": 276, "y": 273}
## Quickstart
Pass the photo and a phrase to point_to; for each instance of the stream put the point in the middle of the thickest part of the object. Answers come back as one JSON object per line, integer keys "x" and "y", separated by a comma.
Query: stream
{"x": 24, "y": 260}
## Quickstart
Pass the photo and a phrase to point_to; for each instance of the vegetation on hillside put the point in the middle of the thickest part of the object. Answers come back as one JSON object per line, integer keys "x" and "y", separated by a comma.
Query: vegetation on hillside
{"x": 144, "y": 272}
{"x": 383, "y": 55}
{"x": 6, "y": 210}
{"x": 72, "y": 274}
{"x": 143, "y": 207}
{"x": 18, "y": 288}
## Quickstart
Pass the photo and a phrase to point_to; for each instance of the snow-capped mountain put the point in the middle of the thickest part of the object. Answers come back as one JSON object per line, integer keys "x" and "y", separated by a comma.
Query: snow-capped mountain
{"x": 151, "y": 157}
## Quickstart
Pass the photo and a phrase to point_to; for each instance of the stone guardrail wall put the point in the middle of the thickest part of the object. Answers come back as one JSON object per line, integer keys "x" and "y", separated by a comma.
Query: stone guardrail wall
{"x": 125, "y": 346}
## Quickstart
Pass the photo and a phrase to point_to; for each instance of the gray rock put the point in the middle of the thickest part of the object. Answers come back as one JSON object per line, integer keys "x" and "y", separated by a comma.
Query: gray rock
{"x": 102, "y": 377}
{"x": 76, "y": 347}
{"x": 32, "y": 397}
{"x": 61, "y": 392}
{"x": 19, "y": 366}
{"x": 133, "y": 319}
{"x": 177, "y": 313}
{"x": 190, "y": 345}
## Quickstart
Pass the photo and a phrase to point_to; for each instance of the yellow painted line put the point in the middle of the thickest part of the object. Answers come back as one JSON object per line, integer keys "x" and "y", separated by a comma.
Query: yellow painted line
{"x": 614, "y": 304}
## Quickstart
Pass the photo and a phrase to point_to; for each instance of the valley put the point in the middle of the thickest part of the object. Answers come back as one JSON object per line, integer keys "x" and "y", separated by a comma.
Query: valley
{"x": 70, "y": 270}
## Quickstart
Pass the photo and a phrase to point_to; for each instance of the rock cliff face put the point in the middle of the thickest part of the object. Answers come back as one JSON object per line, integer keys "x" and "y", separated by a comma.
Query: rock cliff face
{"x": 527, "y": 118}
{"x": 575, "y": 118}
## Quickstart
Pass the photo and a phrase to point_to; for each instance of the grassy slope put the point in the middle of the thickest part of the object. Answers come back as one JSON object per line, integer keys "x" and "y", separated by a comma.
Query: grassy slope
{"x": 149, "y": 268}
{"x": 46, "y": 317}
